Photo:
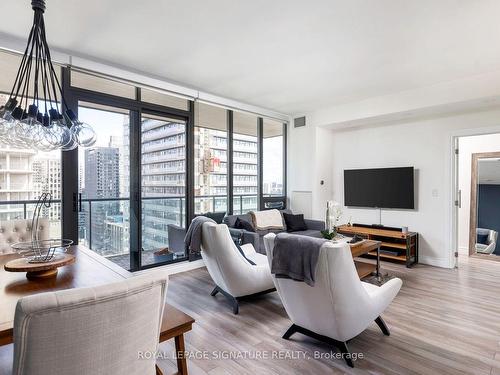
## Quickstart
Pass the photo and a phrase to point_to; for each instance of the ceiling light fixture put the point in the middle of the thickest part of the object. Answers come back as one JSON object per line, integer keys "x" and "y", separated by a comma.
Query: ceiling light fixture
{"x": 33, "y": 116}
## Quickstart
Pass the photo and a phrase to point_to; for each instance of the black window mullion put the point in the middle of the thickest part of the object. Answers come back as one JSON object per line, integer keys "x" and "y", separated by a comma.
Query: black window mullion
{"x": 285, "y": 149}
{"x": 260, "y": 159}
{"x": 190, "y": 174}
{"x": 135, "y": 228}
{"x": 69, "y": 172}
{"x": 229, "y": 163}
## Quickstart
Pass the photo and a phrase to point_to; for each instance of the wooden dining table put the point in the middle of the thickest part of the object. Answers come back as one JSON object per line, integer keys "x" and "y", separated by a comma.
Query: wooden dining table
{"x": 89, "y": 269}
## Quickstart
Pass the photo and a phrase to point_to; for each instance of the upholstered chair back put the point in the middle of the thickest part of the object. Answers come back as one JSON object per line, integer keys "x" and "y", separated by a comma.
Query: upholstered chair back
{"x": 227, "y": 267}
{"x": 12, "y": 231}
{"x": 338, "y": 305}
{"x": 107, "y": 329}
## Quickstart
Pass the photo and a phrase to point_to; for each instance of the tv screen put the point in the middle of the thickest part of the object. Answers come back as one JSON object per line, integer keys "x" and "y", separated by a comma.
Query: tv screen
{"x": 380, "y": 187}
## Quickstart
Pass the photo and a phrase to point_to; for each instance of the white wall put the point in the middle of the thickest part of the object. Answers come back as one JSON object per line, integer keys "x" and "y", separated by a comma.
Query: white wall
{"x": 309, "y": 162}
{"x": 469, "y": 146}
{"x": 319, "y": 153}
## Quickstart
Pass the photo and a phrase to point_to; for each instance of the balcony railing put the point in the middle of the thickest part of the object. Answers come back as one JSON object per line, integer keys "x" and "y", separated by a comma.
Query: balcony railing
{"x": 108, "y": 216}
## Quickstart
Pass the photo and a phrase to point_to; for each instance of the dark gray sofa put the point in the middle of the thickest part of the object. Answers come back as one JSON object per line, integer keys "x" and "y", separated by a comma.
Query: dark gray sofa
{"x": 314, "y": 228}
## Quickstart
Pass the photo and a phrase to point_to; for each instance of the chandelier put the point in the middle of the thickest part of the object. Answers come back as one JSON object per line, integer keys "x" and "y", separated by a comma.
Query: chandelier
{"x": 36, "y": 114}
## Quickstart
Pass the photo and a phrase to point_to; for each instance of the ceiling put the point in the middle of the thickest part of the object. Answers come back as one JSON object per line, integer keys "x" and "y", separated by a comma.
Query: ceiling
{"x": 287, "y": 55}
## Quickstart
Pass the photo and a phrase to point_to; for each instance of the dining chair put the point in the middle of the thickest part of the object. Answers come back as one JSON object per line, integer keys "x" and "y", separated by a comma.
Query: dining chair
{"x": 106, "y": 329}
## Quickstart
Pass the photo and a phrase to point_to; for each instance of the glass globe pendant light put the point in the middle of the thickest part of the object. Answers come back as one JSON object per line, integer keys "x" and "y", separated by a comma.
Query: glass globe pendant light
{"x": 31, "y": 118}
{"x": 82, "y": 132}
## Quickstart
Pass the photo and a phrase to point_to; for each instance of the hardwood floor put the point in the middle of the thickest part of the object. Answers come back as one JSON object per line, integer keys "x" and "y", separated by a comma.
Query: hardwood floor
{"x": 442, "y": 322}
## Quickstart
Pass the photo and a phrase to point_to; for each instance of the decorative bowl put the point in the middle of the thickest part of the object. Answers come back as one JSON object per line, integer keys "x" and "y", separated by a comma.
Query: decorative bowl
{"x": 41, "y": 251}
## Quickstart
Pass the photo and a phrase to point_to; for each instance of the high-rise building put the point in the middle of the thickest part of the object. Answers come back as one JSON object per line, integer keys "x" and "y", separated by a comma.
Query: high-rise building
{"x": 163, "y": 176}
{"x": 244, "y": 173}
{"x": 47, "y": 179}
{"x": 102, "y": 180}
{"x": 16, "y": 180}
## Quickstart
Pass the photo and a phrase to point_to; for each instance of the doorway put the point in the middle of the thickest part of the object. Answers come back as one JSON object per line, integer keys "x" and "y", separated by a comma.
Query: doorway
{"x": 478, "y": 196}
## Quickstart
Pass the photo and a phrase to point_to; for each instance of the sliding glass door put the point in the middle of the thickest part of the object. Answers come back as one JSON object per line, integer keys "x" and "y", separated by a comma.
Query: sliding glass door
{"x": 160, "y": 160}
{"x": 163, "y": 186}
{"x": 104, "y": 209}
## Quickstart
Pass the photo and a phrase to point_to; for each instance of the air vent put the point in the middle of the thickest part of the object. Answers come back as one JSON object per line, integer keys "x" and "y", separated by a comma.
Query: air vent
{"x": 299, "y": 121}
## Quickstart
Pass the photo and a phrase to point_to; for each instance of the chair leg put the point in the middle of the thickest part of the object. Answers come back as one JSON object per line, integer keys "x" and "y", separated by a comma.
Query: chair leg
{"x": 215, "y": 291}
{"x": 236, "y": 306}
{"x": 290, "y": 332}
{"x": 232, "y": 300}
{"x": 345, "y": 353}
{"x": 383, "y": 327}
{"x": 340, "y": 345}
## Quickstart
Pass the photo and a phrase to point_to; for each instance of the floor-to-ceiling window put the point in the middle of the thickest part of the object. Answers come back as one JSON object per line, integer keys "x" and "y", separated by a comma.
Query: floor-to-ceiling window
{"x": 245, "y": 162}
{"x": 103, "y": 183}
{"x": 163, "y": 185}
{"x": 273, "y": 163}
{"x": 210, "y": 159}
{"x": 132, "y": 182}
{"x": 159, "y": 160}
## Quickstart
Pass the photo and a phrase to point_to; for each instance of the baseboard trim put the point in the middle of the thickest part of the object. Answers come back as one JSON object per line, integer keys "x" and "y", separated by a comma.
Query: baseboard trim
{"x": 172, "y": 269}
{"x": 436, "y": 262}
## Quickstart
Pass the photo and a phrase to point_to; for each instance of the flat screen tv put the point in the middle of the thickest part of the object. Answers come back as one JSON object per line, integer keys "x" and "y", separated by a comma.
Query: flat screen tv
{"x": 380, "y": 188}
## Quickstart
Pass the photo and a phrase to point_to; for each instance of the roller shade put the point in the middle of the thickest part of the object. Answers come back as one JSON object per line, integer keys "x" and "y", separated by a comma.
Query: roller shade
{"x": 272, "y": 128}
{"x": 245, "y": 123}
{"x": 210, "y": 117}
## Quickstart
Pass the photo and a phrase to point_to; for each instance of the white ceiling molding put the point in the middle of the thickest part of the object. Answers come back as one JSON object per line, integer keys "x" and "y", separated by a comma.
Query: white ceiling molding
{"x": 478, "y": 92}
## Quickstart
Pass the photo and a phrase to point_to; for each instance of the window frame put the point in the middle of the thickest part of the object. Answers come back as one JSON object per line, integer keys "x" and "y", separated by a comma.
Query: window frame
{"x": 69, "y": 163}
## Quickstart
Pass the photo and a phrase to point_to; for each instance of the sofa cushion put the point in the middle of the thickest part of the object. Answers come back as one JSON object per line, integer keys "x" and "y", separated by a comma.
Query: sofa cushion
{"x": 309, "y": 233}
{"x": 294, "y": 223}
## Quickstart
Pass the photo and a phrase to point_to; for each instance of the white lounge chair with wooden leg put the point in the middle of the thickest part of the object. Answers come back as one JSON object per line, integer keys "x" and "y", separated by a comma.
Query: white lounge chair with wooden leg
{"x": 339, "y": 306}
{"x": 233, "y": 274}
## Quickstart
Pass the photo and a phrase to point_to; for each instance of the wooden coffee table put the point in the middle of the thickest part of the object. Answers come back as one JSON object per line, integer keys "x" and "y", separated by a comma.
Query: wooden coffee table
{"x": 365, "y": 269}
{"x": 89, "y": 269}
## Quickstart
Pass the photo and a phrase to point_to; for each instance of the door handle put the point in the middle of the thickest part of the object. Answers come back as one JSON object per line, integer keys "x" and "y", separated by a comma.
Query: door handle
{"x": 458, "y": 202}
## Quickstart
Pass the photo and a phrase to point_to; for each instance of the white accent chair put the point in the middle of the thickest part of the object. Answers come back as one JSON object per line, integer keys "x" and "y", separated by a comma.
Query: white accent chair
{"x": 339, "y": 306}
{"x": 100, "y": 330}
{"x": 12, "y": 231}
{"x": 488, "y": 248}
{"x": 233, "y": 275}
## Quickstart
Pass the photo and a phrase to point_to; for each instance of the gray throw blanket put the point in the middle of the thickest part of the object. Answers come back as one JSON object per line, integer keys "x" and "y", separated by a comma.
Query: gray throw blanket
{"x": 193, "y": 234}
{"x": 296, "y": 257}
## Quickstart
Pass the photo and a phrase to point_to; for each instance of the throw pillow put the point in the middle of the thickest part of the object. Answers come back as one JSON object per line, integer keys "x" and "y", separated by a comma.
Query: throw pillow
{"x": 294, "y": 223}
{"x": 216, "y": 216}
{"x": 243, "y": 224}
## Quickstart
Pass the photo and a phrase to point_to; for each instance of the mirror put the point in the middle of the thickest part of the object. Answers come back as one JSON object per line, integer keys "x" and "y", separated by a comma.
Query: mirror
{"x": 485, "y": 204}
